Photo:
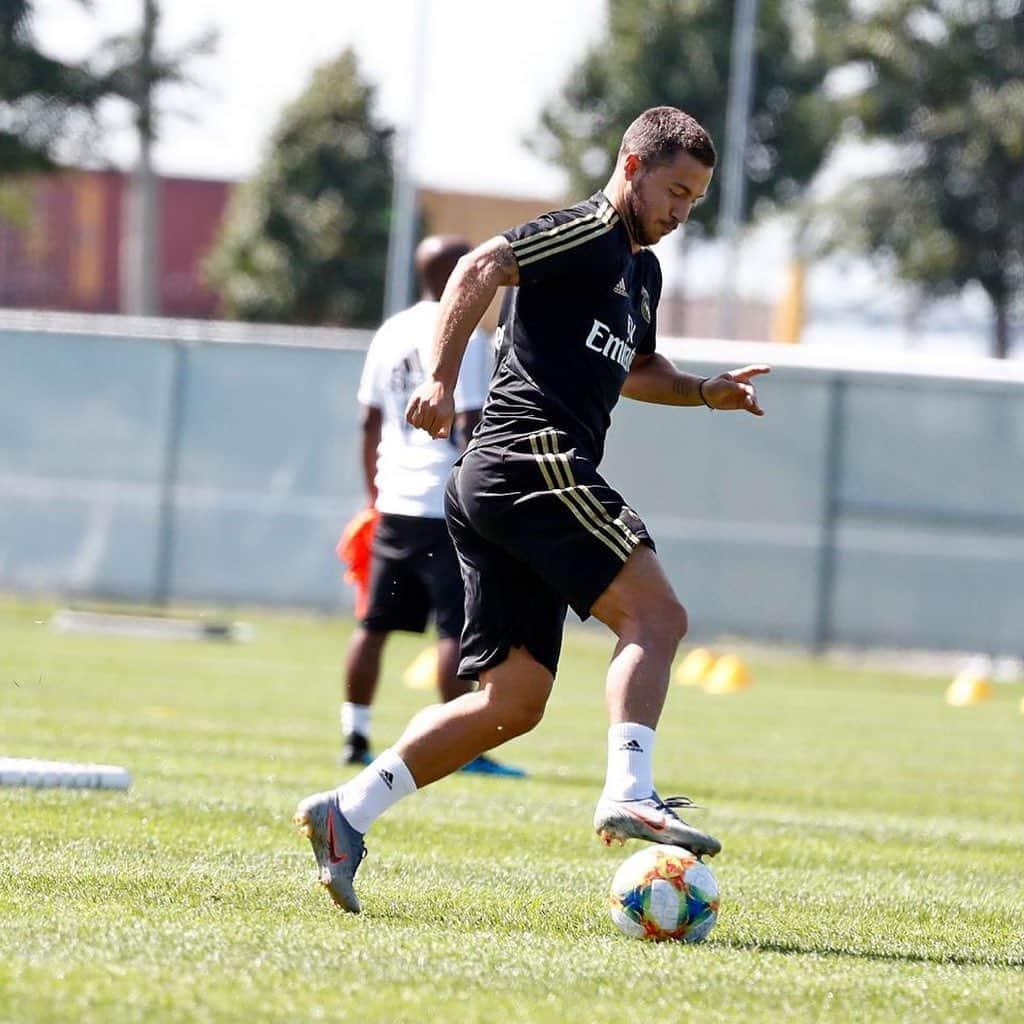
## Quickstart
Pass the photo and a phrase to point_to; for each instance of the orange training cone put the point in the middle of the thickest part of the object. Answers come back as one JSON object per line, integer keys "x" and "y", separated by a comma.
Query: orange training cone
{"x": 729, "y": 675}
{"x": 970, "y": 686}
{"x": 694, "y": 667}
{"x": 422, "y": 671}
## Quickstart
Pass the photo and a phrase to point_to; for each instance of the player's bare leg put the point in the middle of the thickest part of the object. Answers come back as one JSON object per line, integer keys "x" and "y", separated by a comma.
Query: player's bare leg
{"x": 362, "y": 665}
{"x": 646, "y": 616}
{"x": 510, "y": 701}
{"x": 640, "y": 607}
{"x": 362, "y": 671}
{"x": 449, "y": 685}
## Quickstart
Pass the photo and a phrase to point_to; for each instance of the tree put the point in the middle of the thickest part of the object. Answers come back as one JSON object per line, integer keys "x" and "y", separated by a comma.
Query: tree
{"x": 306, "y": 239}
{"x": 943, "y": 82}
{"x": 676, "y": 52}
{"x": 136, "y": 70}
{"x": 43, "y": 101}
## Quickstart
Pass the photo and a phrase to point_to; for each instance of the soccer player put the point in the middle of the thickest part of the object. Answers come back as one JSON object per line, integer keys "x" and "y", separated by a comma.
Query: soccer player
{"x": 413, "y": 569}
{"x": 536, "y": 528}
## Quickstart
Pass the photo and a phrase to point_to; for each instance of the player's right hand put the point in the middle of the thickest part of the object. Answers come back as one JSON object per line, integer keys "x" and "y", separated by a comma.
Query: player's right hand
{"x": 431, "y": 408}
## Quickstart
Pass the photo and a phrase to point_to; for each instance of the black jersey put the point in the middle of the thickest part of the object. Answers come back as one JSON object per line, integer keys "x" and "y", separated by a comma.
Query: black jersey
{"x": 585, "y": 306}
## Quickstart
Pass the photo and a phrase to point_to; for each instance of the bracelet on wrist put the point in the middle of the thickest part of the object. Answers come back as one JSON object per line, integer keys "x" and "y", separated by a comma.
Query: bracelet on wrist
{"x": 700, "y": 391}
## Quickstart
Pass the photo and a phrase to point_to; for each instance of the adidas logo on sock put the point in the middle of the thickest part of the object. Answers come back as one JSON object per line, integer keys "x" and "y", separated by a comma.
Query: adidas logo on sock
{"x": 387, "y": 778}
{"x": 632, "y": 745}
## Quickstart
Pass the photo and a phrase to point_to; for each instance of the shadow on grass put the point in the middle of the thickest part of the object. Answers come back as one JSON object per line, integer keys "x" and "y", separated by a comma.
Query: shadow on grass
{"x": 798, "y": 949}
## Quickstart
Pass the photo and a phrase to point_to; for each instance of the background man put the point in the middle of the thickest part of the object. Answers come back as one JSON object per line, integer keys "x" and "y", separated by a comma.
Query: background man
{"x": 413, "y": 572}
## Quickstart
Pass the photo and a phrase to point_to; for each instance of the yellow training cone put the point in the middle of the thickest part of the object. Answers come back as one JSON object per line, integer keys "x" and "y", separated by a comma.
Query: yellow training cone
{"x": 422, "y": 671}
{"x": 970, "y": 686}
{"x": 729, "y": 675}
{"x": 694, "y": 667}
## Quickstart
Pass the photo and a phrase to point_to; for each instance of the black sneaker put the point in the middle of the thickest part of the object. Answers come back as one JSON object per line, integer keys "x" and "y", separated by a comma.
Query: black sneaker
{"x": 356, "y": 750}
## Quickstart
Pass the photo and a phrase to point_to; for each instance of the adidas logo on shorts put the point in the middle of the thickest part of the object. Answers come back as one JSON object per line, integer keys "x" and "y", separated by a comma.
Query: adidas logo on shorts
{"x": 387, "y": 778}
{"x": 632, "y": 745}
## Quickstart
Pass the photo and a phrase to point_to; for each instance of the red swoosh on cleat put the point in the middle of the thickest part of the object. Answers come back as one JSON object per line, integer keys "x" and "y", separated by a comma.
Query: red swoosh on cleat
{"x": 657, "y": 826}
{"x": 332, "y": 853}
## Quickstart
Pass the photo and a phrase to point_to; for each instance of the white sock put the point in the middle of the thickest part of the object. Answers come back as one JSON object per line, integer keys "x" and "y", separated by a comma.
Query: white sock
{"x": 356, "y": 718}
{"x": 377, "y": 787}
{"x": 630, "y": 762}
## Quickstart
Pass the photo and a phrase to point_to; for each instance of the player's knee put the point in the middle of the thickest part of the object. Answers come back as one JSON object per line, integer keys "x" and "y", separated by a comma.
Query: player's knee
{"x": 666, "y": 626}
{"x": 520, "y": 716}
{"x": 678, "y": 621}
{"x": 516, "y": 711}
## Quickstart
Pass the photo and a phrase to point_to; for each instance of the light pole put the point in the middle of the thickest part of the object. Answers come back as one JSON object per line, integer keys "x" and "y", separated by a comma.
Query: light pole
{"x": 398, "y": 285}
{"x": 737, "y": 121}
{"x": 140, "y": 235}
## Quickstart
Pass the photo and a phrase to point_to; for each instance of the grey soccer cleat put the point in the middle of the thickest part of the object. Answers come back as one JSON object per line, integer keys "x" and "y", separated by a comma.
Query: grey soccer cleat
{"x": 654, "y": 820}
{"x": 337, "y": 846}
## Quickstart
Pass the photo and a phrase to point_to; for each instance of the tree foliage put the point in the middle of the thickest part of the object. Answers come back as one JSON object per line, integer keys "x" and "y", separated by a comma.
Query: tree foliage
{"x": 134, "y": 68}
{"x": 677, "y": 52}
{"x": 43, "y": 101}
{"x": 305, "y": 240}
{"x": 943, "y": 82}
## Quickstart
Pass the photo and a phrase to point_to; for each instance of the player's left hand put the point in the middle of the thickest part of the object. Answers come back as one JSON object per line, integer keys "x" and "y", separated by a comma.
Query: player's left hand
{"x": 734, "y": 390}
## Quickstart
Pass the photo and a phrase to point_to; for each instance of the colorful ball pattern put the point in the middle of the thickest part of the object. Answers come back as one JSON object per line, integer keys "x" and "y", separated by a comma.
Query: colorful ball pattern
{"x": 664, "y": 892}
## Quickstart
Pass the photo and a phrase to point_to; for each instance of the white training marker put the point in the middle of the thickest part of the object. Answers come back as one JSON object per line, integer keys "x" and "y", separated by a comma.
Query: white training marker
{"x": 147, "y": 627}
{"x": 38, "y": 774}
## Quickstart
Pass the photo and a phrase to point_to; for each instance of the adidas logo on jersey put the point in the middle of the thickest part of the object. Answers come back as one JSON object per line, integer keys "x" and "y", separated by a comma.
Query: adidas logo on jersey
{"x": 387, "y": 778}
{"x": 620, "y": 288}
{"x": 632, "y": 745}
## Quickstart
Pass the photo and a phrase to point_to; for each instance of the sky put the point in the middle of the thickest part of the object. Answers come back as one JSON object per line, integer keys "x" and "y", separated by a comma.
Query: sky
{"x": 486, "y": 75}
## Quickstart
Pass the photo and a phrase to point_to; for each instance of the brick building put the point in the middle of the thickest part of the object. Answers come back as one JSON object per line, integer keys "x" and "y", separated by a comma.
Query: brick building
{"x": 67, "y": 254}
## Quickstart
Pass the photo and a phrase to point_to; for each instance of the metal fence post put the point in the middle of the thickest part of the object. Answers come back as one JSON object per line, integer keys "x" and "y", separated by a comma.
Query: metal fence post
{"x": 830, "y": 512}
{"x": 164, "y": 565}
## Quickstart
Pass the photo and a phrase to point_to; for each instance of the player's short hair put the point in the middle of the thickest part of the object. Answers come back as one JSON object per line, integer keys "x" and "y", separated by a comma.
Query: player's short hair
{"x": 661, "y": 132}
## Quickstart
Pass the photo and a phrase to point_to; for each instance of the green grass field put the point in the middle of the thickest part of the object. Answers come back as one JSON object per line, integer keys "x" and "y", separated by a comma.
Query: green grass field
{"x": 873, "y": 866}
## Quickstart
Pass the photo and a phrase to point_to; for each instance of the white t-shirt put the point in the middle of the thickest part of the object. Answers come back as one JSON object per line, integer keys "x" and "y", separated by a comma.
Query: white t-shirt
{"x": 412, "y": 467}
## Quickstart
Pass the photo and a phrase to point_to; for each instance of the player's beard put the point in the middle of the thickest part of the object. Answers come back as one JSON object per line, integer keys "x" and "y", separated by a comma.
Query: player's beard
{"x": 635, "y": 219}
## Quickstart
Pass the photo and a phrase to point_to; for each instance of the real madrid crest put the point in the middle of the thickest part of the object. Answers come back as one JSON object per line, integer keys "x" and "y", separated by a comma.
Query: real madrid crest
{"x": 645, "y": 304}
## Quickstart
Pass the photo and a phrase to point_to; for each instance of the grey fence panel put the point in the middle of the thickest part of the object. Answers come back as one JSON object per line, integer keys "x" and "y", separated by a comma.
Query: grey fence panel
{"x": 194, "y": 462}
{"x": 928, "y": 587}
{"x": 951, "y": 448}
{"x": 734, "y": 502}
{"x": 267, "y": 473}
{"x": 930, "y": 549}
{"x": 83, "y": 424}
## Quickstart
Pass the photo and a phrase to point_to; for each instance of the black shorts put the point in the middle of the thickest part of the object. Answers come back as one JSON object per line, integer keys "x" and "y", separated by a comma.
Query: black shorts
{"x": 536, "y": 530}
{"x": 414, "y": 572}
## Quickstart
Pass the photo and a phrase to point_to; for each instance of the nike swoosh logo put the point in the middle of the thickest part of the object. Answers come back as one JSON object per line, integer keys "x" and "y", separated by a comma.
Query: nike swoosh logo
{"x": 657, "y": 826}
{"x": 332, "y": 852}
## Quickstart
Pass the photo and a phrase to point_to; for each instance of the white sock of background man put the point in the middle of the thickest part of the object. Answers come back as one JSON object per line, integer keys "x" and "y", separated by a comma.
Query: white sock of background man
{"x": 356, "y": 718}
{"x": 630, "y": 762}
{"x": 376, "y": 788}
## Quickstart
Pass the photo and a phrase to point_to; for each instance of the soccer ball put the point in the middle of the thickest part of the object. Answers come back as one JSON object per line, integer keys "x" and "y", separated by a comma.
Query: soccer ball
{"x": 664, "y": 892}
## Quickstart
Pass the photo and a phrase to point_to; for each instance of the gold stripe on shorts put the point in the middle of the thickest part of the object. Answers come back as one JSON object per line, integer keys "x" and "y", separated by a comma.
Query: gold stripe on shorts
{"x": 556, "y": 468}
